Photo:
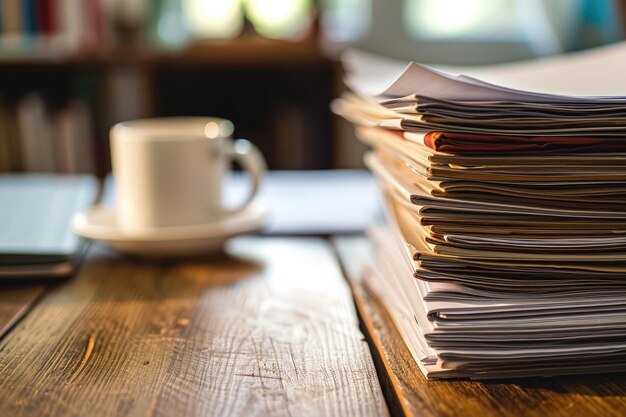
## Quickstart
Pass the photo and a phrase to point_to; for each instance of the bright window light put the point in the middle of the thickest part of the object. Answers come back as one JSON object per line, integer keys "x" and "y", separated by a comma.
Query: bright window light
{"x": 462, "y": 18}
{"x": 346, "y": 20}
{"x": 285, "y": 19}
{"x": 214, "y": 19}
{"x": 171, "y": 29}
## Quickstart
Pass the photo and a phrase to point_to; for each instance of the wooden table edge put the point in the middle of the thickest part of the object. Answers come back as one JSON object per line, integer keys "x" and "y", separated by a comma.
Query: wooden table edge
{"x": 363, "y": 302}
{"x": 386, "y": 378}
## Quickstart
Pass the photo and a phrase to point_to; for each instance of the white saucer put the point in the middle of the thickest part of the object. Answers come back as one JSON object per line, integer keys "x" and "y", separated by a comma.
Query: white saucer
{"x": 99, "y": 223}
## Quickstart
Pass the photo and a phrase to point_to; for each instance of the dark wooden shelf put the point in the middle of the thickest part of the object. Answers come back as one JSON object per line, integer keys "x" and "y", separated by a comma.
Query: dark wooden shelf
{"x": 277, "y": 92}
{"x": 247, "y": 50}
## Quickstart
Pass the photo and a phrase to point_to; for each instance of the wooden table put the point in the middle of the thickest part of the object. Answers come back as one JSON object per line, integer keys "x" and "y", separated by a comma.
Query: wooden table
{"x": 271, "y": 329}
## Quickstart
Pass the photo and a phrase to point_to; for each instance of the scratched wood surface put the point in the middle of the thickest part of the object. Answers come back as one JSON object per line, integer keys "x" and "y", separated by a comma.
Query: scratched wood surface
{"x": 15, "y": 301}
{"x": 409, "y": 392}
{"x": 271, "y": 330}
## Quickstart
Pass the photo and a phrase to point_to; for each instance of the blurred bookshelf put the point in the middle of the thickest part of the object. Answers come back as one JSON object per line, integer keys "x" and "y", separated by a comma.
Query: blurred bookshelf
{"x": 70, "y": 69}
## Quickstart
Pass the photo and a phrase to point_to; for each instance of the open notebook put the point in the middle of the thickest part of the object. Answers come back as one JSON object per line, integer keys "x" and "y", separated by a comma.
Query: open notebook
{"x": 35, "y": 212}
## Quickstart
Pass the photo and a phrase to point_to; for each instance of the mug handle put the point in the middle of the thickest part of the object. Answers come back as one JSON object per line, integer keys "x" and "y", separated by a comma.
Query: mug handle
{"x": 250, "y": 159}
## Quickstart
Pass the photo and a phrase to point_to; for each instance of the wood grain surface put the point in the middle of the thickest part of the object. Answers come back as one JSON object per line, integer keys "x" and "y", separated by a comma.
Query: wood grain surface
{"x": 15, "y": 301}
{"x": 409, "y": 392}
{"x": 269, "y": 331}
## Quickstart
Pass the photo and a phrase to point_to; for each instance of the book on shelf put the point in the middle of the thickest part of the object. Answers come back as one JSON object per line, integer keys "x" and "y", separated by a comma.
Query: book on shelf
{"x": 501, "y": 250}
{"x": 54, "y": 27}
{"x": 73, "y": 139}
{"x": 34, "y": 138}
{"x": 35, "y": 130}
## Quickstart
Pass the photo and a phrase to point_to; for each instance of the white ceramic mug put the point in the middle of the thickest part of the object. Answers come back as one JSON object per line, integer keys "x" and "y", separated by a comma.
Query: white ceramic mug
{"x": 168, "y": 171}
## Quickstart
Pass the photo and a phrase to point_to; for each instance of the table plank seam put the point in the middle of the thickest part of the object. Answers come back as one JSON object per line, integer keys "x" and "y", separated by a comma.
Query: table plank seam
{"x": 383, "y": 375}
{"x": 20, "y": 314}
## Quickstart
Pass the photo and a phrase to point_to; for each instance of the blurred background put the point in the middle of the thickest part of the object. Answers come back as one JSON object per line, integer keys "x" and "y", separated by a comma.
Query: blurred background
{"x": 70, "y": 69}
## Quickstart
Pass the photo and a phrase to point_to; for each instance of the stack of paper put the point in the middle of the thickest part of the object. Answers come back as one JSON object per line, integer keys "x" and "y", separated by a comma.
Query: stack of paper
{"x": 502, "y": 252}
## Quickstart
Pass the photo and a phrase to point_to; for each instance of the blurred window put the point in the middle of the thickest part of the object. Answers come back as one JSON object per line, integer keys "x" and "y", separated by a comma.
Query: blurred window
{"x": 345, "y": 20}
{"x": 280, "y": 19}
{"x": 549, "y": 26}
{"x": 213, "y": 19}
{"x": 469, "y": 19}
